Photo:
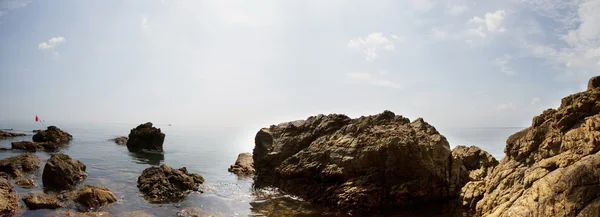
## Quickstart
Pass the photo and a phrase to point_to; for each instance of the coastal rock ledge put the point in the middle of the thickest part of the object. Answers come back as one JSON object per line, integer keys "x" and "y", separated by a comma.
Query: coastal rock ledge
{"x": 358, "y": 165}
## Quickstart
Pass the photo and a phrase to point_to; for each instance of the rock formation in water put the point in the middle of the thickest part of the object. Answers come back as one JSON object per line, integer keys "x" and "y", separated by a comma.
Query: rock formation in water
{"x": 41, "y": 201}
{"x": 145, "y": 137}
{"x": 9, "y": 199}
{"x": 357, "y": 165}
{"x": 244, "y": 165}
{"x": 164, "y": 184}
{"x": 63, "y": 173}
{"x": 35, "y": 146}
{"x": 121, "y": 140}
{"x": 52, "y": 135}
{"x": 6, "y": 135}
{"x": 26, "y": 183}
{"x": 15, "y": 166}
{"x": 551, "y": 168}
{"x": 92, "y": 196}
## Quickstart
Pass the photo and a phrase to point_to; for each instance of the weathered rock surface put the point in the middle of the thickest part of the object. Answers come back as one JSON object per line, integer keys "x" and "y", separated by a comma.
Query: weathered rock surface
{"x": 9, "y": 199}
{"x": 41, "y": 201}
{"x": 92, "y": 196}
{"x": 357, "y": 165}
{"x": 4, "y": 175}
{"x": 71, "y": 213}
{"x": 164, "y": 184}
{"x": 551, "y": 168}
{"x": 26, "y": 183}
{"x": 474, "y": 165}
{"x": 122, "y": 140}
{"x": 35, "y": 146}
{"x": 6, "y": 135}
{"x": 15, "y": 166}
{"x": 63, "y": 173}
{"x": 52, "y": 135}
{"x": 244, "y": 165}
{"x": 145, "y": 137}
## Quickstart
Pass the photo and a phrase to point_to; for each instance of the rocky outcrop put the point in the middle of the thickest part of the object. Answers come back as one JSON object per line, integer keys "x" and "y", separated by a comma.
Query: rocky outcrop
{"x": 145, "y": 137}
{"x": 41, "y": 201}
{"x": 121, "y": 140}
{"x": 9, "y": 199}
{"x": 551, "y": 168}
{"x": 35, "y": 146}
{"x": 63, "y": 173}
{"x": 52, "y": 135}
{"x": 92, "y": 196}
{"x": 164, "y": 184}
{"x": 474, "y": 165}
{"x": 15, "y": 166}
{"x": 6, "y": 135}
{"x": 357, "y": 165}
{"x": 26, "y": 183}
{"x": 244, "y": 165}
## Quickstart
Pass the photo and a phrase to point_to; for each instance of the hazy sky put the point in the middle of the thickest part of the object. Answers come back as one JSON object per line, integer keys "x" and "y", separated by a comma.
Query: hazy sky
{"x": 237, "y": 63}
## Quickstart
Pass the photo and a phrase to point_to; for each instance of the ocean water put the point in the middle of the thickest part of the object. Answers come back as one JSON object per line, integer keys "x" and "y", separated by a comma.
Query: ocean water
{"x": 207, "y": 151}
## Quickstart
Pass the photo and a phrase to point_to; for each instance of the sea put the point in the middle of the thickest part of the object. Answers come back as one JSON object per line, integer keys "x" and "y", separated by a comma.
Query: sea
{"x": 208, "y": 151}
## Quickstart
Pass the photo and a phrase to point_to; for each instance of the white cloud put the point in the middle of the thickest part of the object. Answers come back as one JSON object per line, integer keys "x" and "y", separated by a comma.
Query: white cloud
{"x": 535, "y": 101}
{"x": 372, "y": 43}
{"x": 507, "y": 106}
{"x": 52, "y": 43}
{"x": 502, "y": 62}
{"x": 492, "y": 22}
{"x": 458, "y": 9}
{"x": 370, "y": 79}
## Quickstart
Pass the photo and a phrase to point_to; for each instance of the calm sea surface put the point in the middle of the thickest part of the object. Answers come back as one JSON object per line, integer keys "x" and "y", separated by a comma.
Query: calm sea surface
{"x": 206, "y": 151}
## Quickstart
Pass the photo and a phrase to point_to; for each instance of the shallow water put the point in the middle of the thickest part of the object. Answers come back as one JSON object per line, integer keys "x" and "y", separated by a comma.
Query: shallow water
{"x": 208, "y": 152}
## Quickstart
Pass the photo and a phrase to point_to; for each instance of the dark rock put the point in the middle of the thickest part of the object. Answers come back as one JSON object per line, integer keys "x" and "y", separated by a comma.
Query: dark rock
{"x": 35, "y": 201}
{"x": 36, "y": 131}
{"x": 5, "y": 149}
{"x": 52, "y": 135}
{"x": 15, "y": 166}
{"x": 357, "y": 165}
{"x": 145, "y": 137}
{"x": 63, "y": 173}
{"x": 5, "y": 175}
{"x": 244, "y": 165}
{"x": 122, "y": 140}
{"x": 9, "y": 199}
{"x": 71, "y": 213}
{"x": 594, "y": 83}
{"x": 26, "y": 183}
{"x": 164, "y": 184}
{"x": 6, "y": 135}
{"x": 92, "y": 196}
{"x": 35, "y": 146}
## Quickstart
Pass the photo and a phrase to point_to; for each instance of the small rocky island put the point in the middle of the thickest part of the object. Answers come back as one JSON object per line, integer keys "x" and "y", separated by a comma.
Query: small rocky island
{"x": 145, "y": 138}
{"x": 49, "y": 140}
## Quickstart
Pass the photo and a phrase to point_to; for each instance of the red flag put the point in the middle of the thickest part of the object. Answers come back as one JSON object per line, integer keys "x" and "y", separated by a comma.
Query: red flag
{"x": 36, "y": 118}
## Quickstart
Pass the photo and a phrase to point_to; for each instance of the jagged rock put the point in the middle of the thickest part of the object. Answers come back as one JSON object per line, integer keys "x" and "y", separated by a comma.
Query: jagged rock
{"x": 26, "y": 183}
{"x": 145, "y": 137}
{"x": 477, "y": 162}
{"x": 9, "y": 199}
{"x": 15, "y": 166}
{"x": 164, "y": 184}
{"x": 52, "y": 135}
{"x": 357, "y": 165}
{"x": 551, "y": 168}
{"x": 92, "y": 196}
{"x": 63, "y": 173}
{"x": 244, "y": 165}
{"x": 122, "y": 140}
{"x": 6, "y": 135}
{"x": 39, "y": 201}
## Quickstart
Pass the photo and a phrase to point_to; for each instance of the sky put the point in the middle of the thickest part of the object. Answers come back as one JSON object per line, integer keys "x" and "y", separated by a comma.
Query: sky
{"x": 254, "y": 63}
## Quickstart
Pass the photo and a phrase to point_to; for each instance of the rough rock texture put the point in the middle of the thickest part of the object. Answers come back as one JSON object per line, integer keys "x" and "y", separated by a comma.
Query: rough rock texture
{"x": 63, "y": 173}
{"x": 71, "y": 213}
{"x": 52, "y": 135}
{"x": 9, "y": 199}
{"x": 474, "y": 165}
{"x": 244, "y": 165}
{"x": 6, "y": 135}
{"x": 26, "y": 183}
{"x": 15, "y": 166}
{"x": 40, "y": 201}
{"x": 122, "y": 140}
{"x": 357, "y": 165}
{"x": 35, "y": 146}
{"x": 92, "y": 196}
{"x": 551, "y": 168}
{"x": 4, "y": 175}
{"x": 164, "y": 184}
{"x": 145, "y": 138}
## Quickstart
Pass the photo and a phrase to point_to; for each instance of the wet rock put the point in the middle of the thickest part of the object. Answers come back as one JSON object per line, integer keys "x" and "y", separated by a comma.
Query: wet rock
{"x": 196, "y": 212}
{"x": 26, "y": 183}
{"x": 6, "y": 135}
{"x": 122, "y": 140}
{"x": 5, "y": 175}
{"x": 35, "y": 146}
{"x": 164, "y": 184}
{"x": 9, "y": 199}
{"x": 63, "y": 173}
{"x": 41, "y": 201}
{"x": 244, "y": 165}
{"x": 145, "y": 137}
{"x": 357, "y": 165}
{"x": 92, "y": 196}
{"x": 551, "y": 168}
{"x": 15, "y": 166}
{"x": 5, "y": 149}
{"x": 52, "y": 135}
{"x": 70, "y": 213}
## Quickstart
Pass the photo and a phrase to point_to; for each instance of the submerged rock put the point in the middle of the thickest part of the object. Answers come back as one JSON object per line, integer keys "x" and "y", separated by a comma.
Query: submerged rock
{"x": 63, "y": 173}
{"x": 52, "y": 135}
{"x": 164, "y": 184}
{"x": 244, "y": 165}
{"x": 121, "y": 140}
{"x": 26, "y": 183}
{"x": 357, "y": 165}
{"x": 92, "y": 196}
{"x": 15, "y": 166}
{"x": 9, "y": 199}
{"x": 71, "y": 213}
{"x": 40, "y": 201}
{"x": 35, "y": 146}
{"x": 6, "y": 135}
{"x": 145, "y": 137}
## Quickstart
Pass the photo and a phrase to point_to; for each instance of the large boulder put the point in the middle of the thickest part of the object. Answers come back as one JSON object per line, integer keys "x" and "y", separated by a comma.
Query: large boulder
{"x": 164, "y": 184}
{"x": 244, "y": 165}
{"x": 41, "y": 201}
{"x": 15, "y": 166}
{"x": 551, "y": 168}
{"x": 9, "y": 199}
{"x": 145, "y": 137}
{"x": 92, "y": 196}
{"x": 6, "y": 135}
{"x": 52, "y": 135}
{"x": 357, "y": 165}
{"x": 474, "y": 165}
{"x": 63, "y": 173}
